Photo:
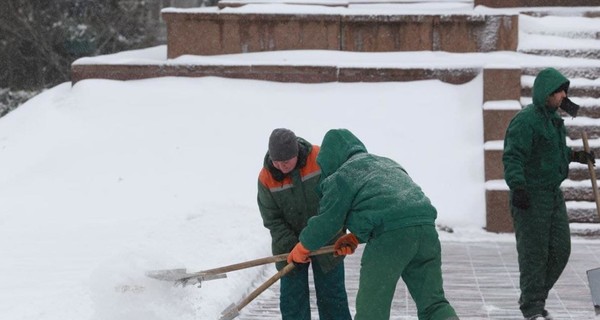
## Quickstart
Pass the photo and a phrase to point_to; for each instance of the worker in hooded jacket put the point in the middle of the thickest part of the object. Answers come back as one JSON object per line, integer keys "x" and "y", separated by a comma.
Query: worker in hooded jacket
{"x": 536, "y": 161}
{"x": 287, "y": 199}
{"x": 375, "y": 199}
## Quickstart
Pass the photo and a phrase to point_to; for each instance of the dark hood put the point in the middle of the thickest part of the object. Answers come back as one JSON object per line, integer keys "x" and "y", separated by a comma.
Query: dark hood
{"x": 546, "y": 82}
{"x": 337, "y": 147}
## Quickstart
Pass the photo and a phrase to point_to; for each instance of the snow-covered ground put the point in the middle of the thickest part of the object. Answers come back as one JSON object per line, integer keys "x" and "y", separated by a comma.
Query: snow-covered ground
{"x": 106, "y": 180}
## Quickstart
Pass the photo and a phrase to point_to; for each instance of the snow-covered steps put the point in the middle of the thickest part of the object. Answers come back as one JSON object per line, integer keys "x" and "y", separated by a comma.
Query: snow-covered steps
{"x": 582, "y": 212}
{"x": 580, "y": 68}
{"x": 566, "y": 36}
{"x": 586, "y": 230}
{"x": 356, "y": 42}
{"x": 535, "y": 3}
{"x": 579, "y": 172}
{"x": 578, "y": 190}
{"x": 576, "y": 127}
{"x": 581, "y": 207}
{"x": 584, "y": 87}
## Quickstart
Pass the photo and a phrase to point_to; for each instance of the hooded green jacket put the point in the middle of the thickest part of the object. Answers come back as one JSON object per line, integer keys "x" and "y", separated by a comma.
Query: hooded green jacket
{"x": 366, "y": 193}
{"x": 286, "y": 202}
{"x": 536, "y": 155}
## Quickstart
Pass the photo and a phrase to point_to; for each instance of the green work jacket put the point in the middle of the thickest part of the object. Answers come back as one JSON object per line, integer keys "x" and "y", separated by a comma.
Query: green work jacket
{"x": 536, "y": 155}
{"x": 365, "y": 193}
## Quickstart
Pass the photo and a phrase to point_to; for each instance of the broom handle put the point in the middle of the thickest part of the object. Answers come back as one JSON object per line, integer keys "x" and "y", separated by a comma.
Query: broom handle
{"x": 586, "y": 147}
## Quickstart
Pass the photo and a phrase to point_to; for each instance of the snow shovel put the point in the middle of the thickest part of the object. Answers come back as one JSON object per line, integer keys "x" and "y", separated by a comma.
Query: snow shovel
{"x": 234, "y": 309}
{"x": 183, "y": 278}
{"x": 594, "y": 274}
{"x": 592, "y": 171}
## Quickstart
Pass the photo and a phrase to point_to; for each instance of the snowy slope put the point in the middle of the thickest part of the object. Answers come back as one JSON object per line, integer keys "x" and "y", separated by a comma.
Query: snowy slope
{"x": 109, "y": 179}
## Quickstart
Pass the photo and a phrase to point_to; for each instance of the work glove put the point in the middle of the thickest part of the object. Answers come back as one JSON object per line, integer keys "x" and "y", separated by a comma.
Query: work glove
{"x": 299, "y": 254}
{"x": 520, "y": 199}
{"x": 345, "y": 245}
{"x": 584, "y": 157}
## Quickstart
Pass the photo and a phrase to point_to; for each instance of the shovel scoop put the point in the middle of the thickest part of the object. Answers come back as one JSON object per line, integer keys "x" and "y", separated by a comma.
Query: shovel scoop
{"x": 182, "y": 278}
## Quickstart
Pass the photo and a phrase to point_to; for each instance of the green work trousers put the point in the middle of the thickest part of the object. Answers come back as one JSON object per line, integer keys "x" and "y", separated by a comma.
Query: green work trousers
{"x": 332, "y": 299}
{"x": 543, "y": 244}
{"x": 413, "y": 253}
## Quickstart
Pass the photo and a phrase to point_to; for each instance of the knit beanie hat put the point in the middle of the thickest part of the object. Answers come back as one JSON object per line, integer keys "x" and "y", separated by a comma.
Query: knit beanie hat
{"x": 283, "y": 145}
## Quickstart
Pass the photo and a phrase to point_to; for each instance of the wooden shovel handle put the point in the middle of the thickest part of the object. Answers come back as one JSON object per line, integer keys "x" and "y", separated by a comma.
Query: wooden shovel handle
{"x": 234, "y": 310}
{"x": 258, "y": 262}
{"x": 586, "y": 147}
{"x": 264, "y": 286}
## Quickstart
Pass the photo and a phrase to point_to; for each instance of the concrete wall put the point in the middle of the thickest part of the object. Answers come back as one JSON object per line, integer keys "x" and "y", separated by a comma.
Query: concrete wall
{"x": 218, "y": 33}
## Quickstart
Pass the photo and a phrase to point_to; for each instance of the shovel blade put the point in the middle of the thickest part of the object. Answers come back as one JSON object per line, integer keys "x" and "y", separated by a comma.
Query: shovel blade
{"x": 168, "y": 274}
{"x": 182, "y": 278}
{"x": 593, "y": 276}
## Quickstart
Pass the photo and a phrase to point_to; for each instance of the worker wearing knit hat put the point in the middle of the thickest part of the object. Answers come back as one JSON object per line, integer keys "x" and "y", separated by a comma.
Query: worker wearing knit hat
{"x": 287, "y": 198}
{"x": 283, "y": 145}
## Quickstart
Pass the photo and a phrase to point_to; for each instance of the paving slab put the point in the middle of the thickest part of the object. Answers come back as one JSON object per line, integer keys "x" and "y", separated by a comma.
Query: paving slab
{"x": 481, "y": 281}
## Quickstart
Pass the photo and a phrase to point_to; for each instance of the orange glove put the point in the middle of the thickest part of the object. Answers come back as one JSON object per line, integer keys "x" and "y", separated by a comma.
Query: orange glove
{"x": 345, "y": 245}
{"x": 299, "y": 254}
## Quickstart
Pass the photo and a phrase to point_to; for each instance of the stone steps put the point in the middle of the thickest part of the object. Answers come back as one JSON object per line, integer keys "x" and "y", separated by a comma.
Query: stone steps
{"x": 570, "y": 35}
{"x": 586, "y": 34}
{"x": 593, "y": 132}
{"x": 581, "y": 172}
{"x": 591, "y": 89}
{"x": 571, "y": 72}
{"x": 203, "y": 32}
{"x": 535, "y": 3}
{"x": 569, "y": 53}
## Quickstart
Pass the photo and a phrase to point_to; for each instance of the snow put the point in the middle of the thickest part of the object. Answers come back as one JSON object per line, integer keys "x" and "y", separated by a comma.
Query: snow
{"x": 401, "y": 60}
{"x": 555, "y": 42}
{"x": 502, "y": 105}
{"x": 496, "y": 185}
{"x": 109, "y": 179}
{"x": 106, "y": 180}
{"x": 558, "y": 25}
{"x": 493, "y": 145}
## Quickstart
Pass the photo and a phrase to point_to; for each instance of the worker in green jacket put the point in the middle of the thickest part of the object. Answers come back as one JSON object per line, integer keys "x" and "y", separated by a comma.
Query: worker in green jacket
{"x": 287, "y": 199}
{"x": 378, "y": 202}
{"x": 536, "y": 161}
